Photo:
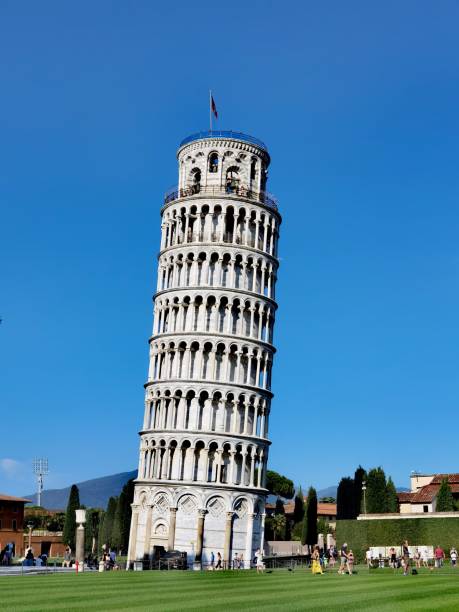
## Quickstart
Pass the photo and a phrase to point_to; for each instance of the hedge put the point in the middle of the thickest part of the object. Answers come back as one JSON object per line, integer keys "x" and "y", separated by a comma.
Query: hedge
{"x": 359, "y": 535}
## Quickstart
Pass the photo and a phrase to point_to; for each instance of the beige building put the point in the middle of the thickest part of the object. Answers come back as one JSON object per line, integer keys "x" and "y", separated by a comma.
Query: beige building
{"x": 424, "y": 490}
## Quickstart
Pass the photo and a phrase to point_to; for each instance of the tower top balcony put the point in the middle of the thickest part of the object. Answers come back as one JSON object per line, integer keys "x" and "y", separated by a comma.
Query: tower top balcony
{"x": 223, "y": 134}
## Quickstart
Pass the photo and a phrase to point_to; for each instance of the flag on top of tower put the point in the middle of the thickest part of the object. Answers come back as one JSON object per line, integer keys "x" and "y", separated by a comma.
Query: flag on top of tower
{"x": 213, "y": 106}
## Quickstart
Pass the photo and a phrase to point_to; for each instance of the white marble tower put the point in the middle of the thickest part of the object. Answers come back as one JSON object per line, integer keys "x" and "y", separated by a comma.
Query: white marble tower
{"x": 204, "y": 442}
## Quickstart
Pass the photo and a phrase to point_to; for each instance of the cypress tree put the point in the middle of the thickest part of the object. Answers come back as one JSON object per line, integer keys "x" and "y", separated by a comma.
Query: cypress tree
{"x": 100, "y": 531}
{"x": 445, "y": 499}
{"x": 107, "y": 527}
{"x": 128, "y": 498}
{"x": 376, "y": 491}
{"x": 345, "y": 499}
{"x": 310, "y": 519}
{"x": 91, "y": 531}
{"x": 359, "y": 477}
{"x": 68, "y": 534}
{"x": 298, "y": 510}
{"x": 279, "y": 506}
{"x": 115, "y": 539}
{"x": 391, "y": 496}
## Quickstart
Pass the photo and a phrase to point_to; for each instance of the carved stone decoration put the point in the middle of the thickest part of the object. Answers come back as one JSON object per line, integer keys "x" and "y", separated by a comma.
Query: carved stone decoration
{"x": 216, "y": 507}
{"x": 188, "y": 504}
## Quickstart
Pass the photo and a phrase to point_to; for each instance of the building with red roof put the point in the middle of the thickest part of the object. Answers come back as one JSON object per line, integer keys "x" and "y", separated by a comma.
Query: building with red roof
{"x": 424, "y": 490}
{"x": 12, "y": 522}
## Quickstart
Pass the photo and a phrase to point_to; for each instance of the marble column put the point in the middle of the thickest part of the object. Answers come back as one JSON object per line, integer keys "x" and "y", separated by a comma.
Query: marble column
{"x": 248, "y": 541}
{"x": 133, "y": 535}
{"x": 147, "y": 541}
{"x": 172, "y": 521}
{"x": 228, "y": 533}
{"x": 197, "y": 565}
{"x": 262, "y": 532}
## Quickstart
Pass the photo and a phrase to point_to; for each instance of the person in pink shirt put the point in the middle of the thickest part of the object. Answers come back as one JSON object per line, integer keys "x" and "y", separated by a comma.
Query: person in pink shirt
{"x": 439, "y": 556}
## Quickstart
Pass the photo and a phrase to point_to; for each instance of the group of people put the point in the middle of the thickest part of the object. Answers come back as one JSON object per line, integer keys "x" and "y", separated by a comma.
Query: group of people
{"x": 31, "y": 561}
{"x": 420, "y": 558}
{"x": 321, "y": 559}
{"x": 109, "y": 559}
{"x": 238, "y": 561}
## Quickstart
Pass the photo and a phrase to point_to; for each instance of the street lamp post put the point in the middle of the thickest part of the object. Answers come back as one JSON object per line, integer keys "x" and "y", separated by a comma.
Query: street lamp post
{"x": 30, "y": 527}
{"x": 364, "y": 488}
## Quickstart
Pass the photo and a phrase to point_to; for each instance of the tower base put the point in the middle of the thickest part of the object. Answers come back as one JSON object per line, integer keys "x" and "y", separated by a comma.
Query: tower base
{"x": 198, "y": 520}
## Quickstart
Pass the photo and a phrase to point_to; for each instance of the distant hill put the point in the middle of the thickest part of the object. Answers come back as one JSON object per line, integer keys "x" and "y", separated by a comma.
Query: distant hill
{"x": 94, "y": 493}
{"x": 328, "y": 492}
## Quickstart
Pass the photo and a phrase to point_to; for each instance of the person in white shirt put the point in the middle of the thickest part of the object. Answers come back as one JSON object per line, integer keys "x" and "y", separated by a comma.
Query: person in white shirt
{"x": 260, "y": 564}
{"x": 453, "y": 557}
{"x": 368, "y": 558}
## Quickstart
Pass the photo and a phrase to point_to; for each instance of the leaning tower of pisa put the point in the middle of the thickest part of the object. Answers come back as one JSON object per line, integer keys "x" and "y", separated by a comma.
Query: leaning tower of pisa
{"x": 204, "y": 441}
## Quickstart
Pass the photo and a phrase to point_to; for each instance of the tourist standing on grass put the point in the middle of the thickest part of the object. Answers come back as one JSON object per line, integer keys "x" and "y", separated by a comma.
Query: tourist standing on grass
{"x": 439, "y": 555}
{"x": 453, "y": 556}
{"x": 425, "y": 558}
{"x": 368, "y": 558}
{"x": 316, "y": 567}
{"x": 343, "y": 555}
{"x": 332, "y": 556}
{"x": 260, "y": 564}
{"x": 417, "y": 558}
{"x": 219, "y": 562}
{"x": 67, "y": 557}
{"x": 350, "y": 562}
{"x": 406, "y": 557}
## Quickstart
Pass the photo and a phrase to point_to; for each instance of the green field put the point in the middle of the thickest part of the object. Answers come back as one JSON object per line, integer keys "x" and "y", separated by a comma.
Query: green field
{"x": 222, "y": 591}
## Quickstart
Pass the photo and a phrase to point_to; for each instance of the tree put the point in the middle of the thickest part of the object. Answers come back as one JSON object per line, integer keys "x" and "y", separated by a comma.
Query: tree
{"x": 68, "y": 535}
{"x": 327, "y": 500}
{"x": 359, "y": 477}
{"x": 126, "y": 497}
{"x": 376, "y": 498}
{"x": 298, "y": 509}
{"x": 279, "y": 506}
{"x": 279, "y": 485}
{"x": 323, "y": 526}
{"x": 115, "y": 539}
{"x": 55, "y": 522}
{"x": 91, "y": 532}
{"x": 278, "y": 525}
{"x": 309, "y": 535}
{"x": 391, "y": 496}
{"x": 445, "y": 499}
{"x": 345, "y": 499}
{"x": 107, "y": 527}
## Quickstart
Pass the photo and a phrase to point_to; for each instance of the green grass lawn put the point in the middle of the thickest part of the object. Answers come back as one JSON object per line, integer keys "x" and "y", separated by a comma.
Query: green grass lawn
{"x": 222, "y": 591}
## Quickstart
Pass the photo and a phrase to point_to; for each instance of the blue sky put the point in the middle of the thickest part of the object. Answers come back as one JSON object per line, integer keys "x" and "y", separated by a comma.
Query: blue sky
{"x": 358, "y": 103}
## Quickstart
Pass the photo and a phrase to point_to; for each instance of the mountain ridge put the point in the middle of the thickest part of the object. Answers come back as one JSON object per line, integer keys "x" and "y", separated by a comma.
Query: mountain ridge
{"x": 94, "y": 493}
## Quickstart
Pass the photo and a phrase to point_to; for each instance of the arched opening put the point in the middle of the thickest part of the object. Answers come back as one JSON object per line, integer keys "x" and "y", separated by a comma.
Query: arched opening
{"x": 195, "y": 175}
{"x": 232, "y": 179}
{"x": 219, "y": 361}
{"x": 213, "y": 162}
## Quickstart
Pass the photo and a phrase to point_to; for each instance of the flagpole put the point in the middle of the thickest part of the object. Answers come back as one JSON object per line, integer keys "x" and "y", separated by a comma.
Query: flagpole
{"x": 210, "y": 109}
